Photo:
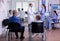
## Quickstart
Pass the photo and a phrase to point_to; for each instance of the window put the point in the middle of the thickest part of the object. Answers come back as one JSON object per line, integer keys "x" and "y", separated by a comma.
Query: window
{"x": 25, "y": 6}
{"x": 31, "y": 0}
{"x": 18, "y": 5}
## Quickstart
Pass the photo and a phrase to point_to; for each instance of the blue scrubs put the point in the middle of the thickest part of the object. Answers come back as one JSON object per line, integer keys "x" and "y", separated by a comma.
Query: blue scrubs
{"x": 53, "y": 18}
{"x": 42, "y": 10}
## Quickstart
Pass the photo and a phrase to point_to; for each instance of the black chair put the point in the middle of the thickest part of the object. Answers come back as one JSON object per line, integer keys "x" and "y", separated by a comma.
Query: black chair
{"x": 53, "y": 24}
{"x": 13, "y": 27}
{"x": 37, "y": 27}
{"x": 5, "y": 22}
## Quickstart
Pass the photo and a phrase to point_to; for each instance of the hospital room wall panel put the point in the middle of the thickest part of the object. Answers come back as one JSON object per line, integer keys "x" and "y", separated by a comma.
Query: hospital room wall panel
{"x": 48, "y": 2}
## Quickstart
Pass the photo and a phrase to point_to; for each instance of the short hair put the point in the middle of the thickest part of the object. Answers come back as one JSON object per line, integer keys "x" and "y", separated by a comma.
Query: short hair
{"x": 55, "y": 12}
{"x": 38, "y": 17}
{"x": 30, "y": 4}
{"x": 14, "y": 12}
{"x": 26, "y": 12}
{"x": 10, "y": 11}
{"x": 44, "y": 7}
{"x": 18, "y": 9}
{"x": 22, "y": 9}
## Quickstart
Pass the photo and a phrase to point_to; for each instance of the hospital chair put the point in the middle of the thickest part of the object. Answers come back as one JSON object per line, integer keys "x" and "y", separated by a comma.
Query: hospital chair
{"x": 11, "y": 27}
{"x": 5, "y": 22}
{"x": 55, "y": 24}
{"x": 37, "y": 27}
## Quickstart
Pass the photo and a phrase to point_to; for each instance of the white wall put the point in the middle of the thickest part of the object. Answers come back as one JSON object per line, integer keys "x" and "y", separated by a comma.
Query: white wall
{"x": 3, "y": 14}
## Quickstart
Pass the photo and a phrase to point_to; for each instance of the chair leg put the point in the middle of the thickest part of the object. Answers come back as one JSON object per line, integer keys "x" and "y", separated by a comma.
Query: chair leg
{"x": 8, "y": 36}
{"x": 44, "y": 37}
{"x": 30, "y": 37}
{"x": 11, "y": 35}
{"x": 30, "y": 33}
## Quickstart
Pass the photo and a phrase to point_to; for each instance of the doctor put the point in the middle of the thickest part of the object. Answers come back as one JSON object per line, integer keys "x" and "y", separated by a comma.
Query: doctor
{"x": 31, "y": 16}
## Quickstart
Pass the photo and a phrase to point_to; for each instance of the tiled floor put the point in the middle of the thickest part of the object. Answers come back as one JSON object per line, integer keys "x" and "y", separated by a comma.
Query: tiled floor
{"x": 53, "y": 35}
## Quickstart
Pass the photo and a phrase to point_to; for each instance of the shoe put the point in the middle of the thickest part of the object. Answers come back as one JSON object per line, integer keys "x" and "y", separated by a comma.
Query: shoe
{"x": 16, "y": 37}
{"x": 22, "y": 37}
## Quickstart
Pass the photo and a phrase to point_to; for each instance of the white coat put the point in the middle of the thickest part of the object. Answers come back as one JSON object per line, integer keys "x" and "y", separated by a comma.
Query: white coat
{"x": 31, "y": 16}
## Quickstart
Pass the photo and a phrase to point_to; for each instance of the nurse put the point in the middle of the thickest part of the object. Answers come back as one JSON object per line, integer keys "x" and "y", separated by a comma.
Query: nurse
{"x": 53, "y": 18}
{"x": 42, "y": 11}
{"x": 31, "y": 16}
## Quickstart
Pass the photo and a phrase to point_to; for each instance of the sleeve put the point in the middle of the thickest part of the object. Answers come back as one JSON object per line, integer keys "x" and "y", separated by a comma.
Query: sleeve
{"x": 40, "y": 9}
{"x": 30, "y": 11}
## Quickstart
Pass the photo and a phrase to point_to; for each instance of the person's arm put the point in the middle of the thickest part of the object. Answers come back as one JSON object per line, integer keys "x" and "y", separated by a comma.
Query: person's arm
{"x": 18, "y": 21}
